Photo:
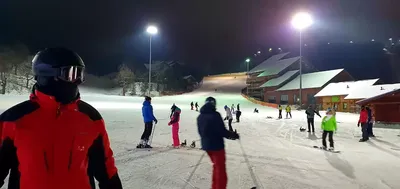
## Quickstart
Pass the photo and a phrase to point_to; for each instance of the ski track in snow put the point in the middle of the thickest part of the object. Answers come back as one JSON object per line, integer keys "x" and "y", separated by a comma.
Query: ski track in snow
{"x": 271, "y": 153}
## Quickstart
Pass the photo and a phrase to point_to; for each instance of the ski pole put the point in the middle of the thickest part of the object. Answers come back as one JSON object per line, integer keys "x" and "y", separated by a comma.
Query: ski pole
{"x": 152, "y": 133}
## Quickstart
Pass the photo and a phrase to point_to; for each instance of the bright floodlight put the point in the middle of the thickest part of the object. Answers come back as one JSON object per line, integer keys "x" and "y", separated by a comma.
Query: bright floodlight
{"x": 301, "y": 20}
{"x": 258, "y": 52}
{"x": 152, "y": 30}
{"x": 248, "y": 60}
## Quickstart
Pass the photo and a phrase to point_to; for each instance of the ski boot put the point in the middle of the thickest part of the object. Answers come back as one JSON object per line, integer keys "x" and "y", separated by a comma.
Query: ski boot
{"x": 193, "y": 145}
{"x": 140, "y": 145}
{"x": 183, "y": 144}
{"x": 147, "y": 146}
{"x": 331, "y": 149}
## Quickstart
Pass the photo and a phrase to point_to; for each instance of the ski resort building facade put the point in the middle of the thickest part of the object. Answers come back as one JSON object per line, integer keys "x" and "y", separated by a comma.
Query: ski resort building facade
{"x": 272, "y": 73}
{"x": 385, "y": 106}
{"x": 312, "y": 83}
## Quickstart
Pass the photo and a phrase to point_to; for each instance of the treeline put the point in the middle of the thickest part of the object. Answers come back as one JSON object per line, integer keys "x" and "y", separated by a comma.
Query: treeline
{"x": 15, "y": 64}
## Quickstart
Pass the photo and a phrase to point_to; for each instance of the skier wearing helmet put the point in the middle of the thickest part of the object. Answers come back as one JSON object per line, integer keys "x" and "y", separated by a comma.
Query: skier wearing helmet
{"x": 56, "y": 140}
{"x": 212, "y": 132}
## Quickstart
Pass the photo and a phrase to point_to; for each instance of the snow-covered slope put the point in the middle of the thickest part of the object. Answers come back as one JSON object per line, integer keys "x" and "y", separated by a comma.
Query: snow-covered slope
{"x": 271, "y": 153}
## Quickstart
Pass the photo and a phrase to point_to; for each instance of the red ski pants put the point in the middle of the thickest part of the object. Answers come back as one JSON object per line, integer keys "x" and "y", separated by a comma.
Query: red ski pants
{"x": 219, "y": 177}
{"x": 175, "y": 134}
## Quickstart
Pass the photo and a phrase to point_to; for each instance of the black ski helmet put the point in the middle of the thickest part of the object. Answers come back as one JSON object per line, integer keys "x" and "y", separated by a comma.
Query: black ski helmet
{"x": 147, "y": 98}
{"x": 61, "y": 63}
{"x": 211, "y": 100}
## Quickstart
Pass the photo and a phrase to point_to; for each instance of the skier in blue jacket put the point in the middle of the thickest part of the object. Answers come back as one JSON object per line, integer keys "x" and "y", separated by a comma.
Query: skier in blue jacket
{"x": 148, "y": 117}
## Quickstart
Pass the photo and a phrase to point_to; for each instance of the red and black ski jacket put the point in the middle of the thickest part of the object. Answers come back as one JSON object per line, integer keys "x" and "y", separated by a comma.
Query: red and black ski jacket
{"x": 47, "y": 145}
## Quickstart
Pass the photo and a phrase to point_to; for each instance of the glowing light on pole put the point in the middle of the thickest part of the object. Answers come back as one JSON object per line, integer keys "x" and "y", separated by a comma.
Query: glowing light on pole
{"x": 248, "y": 75}
{"x": 151, "y": 30}
{"x": 301, "y": 21}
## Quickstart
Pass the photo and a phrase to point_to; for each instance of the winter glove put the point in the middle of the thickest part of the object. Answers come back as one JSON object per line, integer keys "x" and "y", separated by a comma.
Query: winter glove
{"x": 233, "y": 136}
{"x": 358, "y": 124}
{"x": 155, "y": 121}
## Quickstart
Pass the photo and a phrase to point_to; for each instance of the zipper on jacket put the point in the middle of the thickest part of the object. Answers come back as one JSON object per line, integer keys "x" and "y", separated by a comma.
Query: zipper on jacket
{"x": 58, "y": 111}
{"x": 70, "y": 154}
{"x": 46, "y": 163}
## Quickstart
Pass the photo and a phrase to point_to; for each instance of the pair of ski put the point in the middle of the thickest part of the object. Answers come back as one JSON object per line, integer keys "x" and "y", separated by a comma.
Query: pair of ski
{"x": 325, "y": 149}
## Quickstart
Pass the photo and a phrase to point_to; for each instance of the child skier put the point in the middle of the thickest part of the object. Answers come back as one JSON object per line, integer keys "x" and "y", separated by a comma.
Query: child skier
{"x": 191, "y": 106}
{"x": 280, "y": 111}
{"x": 288, "y": 111}
{"x": 229, "y": 117}
{"x": 212, "y": 132}
{"x": 175, "y": 127}
{"x": 197, "y": 106}
{"x": 328, "y": 125}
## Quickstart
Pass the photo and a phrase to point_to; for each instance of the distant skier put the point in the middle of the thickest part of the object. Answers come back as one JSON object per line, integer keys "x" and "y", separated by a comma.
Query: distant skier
{"x": 212, "y": 132}
{"x": 148, "y": 117}
{"x": 197, "y": 106}
{"x": 280, "y": 111}
{"x": 328, "y": 125}
{"x": 288, "y": 111}
{"x": 173, "y": 107}
{"x": 255, "y": 110}
{"x": 175, "y": 127}
{"x": 370, "y": 122}
{"x": 191, "y": 106}
{"x": 238, "y": 107}
{"x": 238, "y": 114}
{"x": 364, "y": 124}
{"x": 310, "y": 118}
{"x": 233, "y": 108}
{"x": 229, "y": 117}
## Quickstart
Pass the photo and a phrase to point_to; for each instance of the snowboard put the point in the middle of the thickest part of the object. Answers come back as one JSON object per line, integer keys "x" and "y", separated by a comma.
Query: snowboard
{"x": 321, "y": 148}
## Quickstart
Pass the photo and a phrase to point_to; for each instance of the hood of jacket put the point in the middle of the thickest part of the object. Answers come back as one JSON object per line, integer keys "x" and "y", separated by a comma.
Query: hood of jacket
{"x": 208, "y": 108}
{"x": 146, "y": 103}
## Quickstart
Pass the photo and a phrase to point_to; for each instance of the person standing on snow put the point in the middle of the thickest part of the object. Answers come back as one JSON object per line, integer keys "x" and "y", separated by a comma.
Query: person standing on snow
{"x": 238, "y": 114}
{"x": 328, "y": 125}
{"x": 288, "y": 111}
{"x": 238, "y": 107}
{"x": 280, "y": 111}
{"x": 212, "y": 132}
{"x": 370, "y": 122}
{"x": 148, "y": 117}
{"x": 191, "y": 106}
{"x": 229, "y": 117}
{"x": 364, "y": 124}
{"x": 310, "y": 118}
{"x": 175, "y": 127}
{"x": 56, "y": 140}
{"x": 197, "y": 106}
{"x": 233, "y": 108}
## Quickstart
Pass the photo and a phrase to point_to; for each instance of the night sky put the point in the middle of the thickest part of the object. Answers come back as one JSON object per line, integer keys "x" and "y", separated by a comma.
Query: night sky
{"x": 219, "y": 34}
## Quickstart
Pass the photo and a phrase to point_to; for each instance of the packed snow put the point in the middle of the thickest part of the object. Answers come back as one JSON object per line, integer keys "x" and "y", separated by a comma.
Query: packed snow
{"x": 270, "y": 154}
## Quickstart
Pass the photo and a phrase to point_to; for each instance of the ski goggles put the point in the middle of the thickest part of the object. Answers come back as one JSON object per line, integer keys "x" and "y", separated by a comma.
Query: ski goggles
{"x": 73, "y": 74}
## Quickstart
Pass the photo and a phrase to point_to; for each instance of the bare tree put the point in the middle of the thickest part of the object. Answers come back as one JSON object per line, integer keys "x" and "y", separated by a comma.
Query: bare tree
{"x": 25, "y": 69}
{"x": 125, "y": 77}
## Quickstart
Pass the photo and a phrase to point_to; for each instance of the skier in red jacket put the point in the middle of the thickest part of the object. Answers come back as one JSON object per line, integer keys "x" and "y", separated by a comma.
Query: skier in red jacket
{"x": 364, "y": 124}
{"x": 55, "y": 140}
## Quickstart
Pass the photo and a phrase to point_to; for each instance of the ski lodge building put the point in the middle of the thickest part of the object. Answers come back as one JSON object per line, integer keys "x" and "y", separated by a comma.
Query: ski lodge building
{"x": 277, "y": 81}
{"x": 385, "y": 106}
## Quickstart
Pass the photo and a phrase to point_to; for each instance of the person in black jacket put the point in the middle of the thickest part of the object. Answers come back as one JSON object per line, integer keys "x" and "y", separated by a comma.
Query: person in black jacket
{"x": 212, "y": 132}
{"x": 370, "y": 123}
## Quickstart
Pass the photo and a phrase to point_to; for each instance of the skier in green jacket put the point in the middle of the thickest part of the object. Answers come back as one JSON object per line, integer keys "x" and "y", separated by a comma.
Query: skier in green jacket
{"x": 328, "y": 125}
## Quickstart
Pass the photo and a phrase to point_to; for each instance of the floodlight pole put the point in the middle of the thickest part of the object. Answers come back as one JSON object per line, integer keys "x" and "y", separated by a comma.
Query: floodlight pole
{"x": 149, "y": 87}
{"x": 301, "y": 86}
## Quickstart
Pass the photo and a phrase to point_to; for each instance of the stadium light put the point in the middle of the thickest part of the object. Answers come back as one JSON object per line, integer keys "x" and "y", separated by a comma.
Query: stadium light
{"x": 152, "y": 30}
{"x": 301, "y": 21}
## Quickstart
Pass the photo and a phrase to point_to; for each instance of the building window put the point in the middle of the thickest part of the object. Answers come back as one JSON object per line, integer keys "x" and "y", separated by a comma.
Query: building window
{"x": 344, "y": 106}
{"x": 284, "y": 99}
{"x": 271, "y": 99}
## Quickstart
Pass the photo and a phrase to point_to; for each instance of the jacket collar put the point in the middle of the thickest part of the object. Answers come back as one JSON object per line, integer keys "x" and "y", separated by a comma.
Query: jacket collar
{"x": 49, "y": 102}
